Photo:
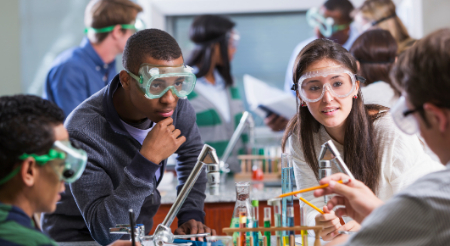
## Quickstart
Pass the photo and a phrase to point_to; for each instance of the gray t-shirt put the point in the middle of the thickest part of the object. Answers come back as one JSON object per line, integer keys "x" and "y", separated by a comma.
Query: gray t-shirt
{"x": 139, "y": 132}
{"x": 418, "y": 215}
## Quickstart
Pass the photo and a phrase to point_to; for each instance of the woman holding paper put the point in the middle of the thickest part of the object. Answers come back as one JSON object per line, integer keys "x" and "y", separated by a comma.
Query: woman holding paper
{"x": 216, "y": 101}
{"x": 331, "y": 108}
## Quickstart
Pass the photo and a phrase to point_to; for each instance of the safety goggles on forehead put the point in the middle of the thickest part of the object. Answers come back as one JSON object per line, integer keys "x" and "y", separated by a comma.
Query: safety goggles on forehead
{"x": 403, "y": 117}
{"x": 339, "y": 81}
{"x": 326, "y": 25}
{"x": 67, "y": 161}
{"x": 138, "y": 25}
{"x": 155, "y": 81}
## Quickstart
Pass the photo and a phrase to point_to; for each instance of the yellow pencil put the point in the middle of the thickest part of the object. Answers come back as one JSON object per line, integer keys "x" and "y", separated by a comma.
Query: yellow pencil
{"x": 310, "y": 204}
{"x": 311, "y": 189}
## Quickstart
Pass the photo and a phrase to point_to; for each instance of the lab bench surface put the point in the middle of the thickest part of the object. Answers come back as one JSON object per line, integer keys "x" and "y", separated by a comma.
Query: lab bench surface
{"x": 272, "y": 242}
{"x": 219, "y": 209}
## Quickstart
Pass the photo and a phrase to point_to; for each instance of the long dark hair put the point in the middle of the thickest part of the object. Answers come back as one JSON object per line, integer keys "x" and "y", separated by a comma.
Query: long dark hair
{"x": 376, "y": 51}
{"x": 360, "y": 147}
{"x": 205, "y": 32}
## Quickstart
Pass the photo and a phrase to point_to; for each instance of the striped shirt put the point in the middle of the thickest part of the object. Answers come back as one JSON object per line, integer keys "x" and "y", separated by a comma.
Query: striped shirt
{"x": 17, "y": 228}
{"x": 213, "y": 125}
{"x": 418, "y": 215}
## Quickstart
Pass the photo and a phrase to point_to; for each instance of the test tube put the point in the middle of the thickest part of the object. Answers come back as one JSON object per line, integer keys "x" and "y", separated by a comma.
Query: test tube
{"x": 255, "y": 208}
{"x": 242, "y": 224}
{"x": 303, "y": 213}
{"x": 287, "y": 185}
{"x": 276, "y": 203}
{"x": 267, "y": 222}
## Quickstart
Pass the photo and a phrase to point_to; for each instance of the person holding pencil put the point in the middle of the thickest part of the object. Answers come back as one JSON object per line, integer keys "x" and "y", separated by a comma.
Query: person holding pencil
{"x": 419, "y": 215}
{"x": 331, "y": 107}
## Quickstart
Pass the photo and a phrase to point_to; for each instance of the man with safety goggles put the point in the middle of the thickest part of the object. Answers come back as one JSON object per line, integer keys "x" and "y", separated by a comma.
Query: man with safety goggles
{"x": 128, "y": 130}
{"x": 80, "y": 72}
{"x": 36, "y": 159}
{"x": 418, "y": 215}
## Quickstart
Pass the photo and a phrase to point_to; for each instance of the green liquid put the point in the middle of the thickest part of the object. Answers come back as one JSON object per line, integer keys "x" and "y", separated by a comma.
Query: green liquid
{"x": 235, "y": 224}
{"x": 267, "y": 233}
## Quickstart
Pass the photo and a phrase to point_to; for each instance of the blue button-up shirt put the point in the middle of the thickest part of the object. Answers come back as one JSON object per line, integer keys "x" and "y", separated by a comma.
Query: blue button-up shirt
{"x": 76, "y": 74}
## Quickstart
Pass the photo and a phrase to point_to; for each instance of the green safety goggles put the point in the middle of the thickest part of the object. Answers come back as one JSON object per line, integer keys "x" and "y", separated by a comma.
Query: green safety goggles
{"x": 138, "y": 26}
{"x": 326, "y": 25}
{"x": 69, "y": 170}
{"x": 155, "y": 81}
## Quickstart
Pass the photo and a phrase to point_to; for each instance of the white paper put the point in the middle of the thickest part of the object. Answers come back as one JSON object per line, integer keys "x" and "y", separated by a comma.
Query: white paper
{"x": 259, "y": 93}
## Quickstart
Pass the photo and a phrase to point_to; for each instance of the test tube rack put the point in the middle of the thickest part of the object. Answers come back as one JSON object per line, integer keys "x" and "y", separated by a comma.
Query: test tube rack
{"x": 271, "y": 167}
{"x": 316, "y": 229}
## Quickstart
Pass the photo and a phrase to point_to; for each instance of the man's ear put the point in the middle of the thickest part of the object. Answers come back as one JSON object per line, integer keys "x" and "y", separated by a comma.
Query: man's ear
{"x": 438, "y": 117}
{"x": 29, "y": 171}
{"x": 116, "y": 33}
{"x": 358, "y": 65}
{"x": 125, "y": 79}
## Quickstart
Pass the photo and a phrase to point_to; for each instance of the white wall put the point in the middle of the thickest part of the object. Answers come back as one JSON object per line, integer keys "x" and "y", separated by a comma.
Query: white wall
{"x": 10, "y": 82}
{"x": 435, "y": 15}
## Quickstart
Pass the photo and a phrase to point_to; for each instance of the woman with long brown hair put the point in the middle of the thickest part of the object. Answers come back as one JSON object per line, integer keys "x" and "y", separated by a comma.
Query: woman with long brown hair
{"x": 375, "y": 52}
{"x": 331, "y": 108}
{"x": 382, "y": 14}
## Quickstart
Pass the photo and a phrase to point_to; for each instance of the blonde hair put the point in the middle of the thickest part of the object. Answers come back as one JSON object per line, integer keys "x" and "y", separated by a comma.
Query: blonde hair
{"x": 374, "y": 10}
{"x": 104, "y": 13}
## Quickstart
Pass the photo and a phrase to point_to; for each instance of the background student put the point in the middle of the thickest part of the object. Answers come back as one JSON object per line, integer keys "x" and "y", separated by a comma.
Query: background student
{"x": 376, "y": 152}
{"x": 34, "y": 164}
{"x": 375, "y": 52}
{"x": 216, "y": 100}
{"x": 381, "y": 14}
{"x": 80, "y": 72}
{"x": 419, "y": 215}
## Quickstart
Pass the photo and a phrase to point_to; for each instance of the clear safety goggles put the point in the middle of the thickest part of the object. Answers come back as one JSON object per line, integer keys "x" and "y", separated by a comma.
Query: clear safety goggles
{"x": 155, "y": 81}
{"x": 339, "y": 81}
{"x": 138, "y": 25}
{"x": 326, "y": 26}
{"x": 67, "y": 161}
{"x": 233, "y": 38}
{"x": 404, "y": 118}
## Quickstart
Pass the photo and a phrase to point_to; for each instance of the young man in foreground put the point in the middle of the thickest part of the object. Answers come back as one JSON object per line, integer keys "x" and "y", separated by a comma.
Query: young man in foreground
{"x": 128, "y": 130}
{"x": 36, "y": 158}
{"x": 420, "y": 214}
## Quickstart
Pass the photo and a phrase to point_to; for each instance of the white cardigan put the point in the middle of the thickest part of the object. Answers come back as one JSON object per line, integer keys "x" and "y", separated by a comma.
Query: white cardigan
{"x": 403, "y": 160}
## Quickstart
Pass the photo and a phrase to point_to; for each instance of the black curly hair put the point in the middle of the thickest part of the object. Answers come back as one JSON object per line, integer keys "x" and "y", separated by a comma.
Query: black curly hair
{"x": 149, "y": 42}
{"x": 26, "y": 126}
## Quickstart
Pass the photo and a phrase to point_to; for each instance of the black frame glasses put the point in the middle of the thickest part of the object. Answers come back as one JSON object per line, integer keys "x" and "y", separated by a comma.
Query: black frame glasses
{"x": 411, "y": 111}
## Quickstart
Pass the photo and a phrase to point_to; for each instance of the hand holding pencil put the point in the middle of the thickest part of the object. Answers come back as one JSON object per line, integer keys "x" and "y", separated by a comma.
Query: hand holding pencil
{"x": 358, "y": 199}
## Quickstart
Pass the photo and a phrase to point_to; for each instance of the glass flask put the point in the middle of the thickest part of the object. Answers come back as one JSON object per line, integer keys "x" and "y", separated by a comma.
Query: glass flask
{"x": 242, "y": 208}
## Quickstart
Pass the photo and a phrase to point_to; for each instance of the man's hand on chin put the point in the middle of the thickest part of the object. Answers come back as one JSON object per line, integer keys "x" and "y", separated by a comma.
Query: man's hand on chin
{"x": 339, "y": 240}
{"x": 194, "y": 227}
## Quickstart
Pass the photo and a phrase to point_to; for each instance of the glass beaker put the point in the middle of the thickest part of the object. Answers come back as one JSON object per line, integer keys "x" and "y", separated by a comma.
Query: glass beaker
{"x": 219, "y": 241}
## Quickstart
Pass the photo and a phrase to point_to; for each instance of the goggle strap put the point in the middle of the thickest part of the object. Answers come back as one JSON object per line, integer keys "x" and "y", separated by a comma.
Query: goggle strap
{"x": 337, "y": 28}
{"x": 138, "y": 79}
{"x": 294, "y": 87}
{"x": 360, "y": 78}
{"x": 10, "y": 175}
{"x": 108, "y": 28}
{"x": 42, "y": 159}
